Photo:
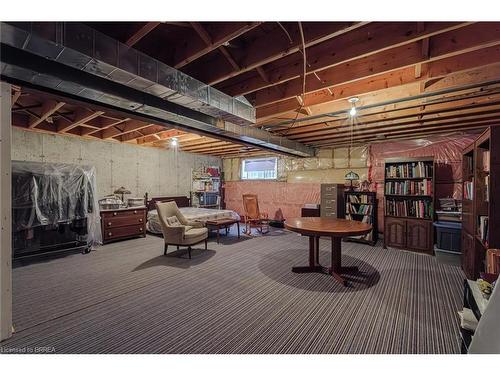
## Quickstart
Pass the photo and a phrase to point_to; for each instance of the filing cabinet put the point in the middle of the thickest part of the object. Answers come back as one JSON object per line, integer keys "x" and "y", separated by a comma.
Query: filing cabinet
{"x": 332, "y": 201}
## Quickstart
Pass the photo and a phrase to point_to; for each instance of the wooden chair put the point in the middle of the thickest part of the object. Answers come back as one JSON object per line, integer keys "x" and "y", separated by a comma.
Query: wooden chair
{"x": 253, "y": 217}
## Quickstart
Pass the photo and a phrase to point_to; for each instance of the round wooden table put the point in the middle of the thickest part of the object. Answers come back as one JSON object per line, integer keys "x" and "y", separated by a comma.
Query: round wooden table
{"x": 316, "y": 227}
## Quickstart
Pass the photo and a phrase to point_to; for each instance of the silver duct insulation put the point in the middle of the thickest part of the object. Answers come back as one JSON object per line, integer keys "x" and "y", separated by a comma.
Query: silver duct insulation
{"x": 80, "y": 47}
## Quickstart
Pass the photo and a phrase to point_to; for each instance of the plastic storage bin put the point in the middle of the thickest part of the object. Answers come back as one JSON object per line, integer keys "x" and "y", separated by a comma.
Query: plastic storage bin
{"x": 448, "y": 236}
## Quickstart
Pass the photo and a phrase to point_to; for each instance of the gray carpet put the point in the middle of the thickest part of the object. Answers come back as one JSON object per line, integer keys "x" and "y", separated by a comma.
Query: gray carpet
{"x": 237, "y": 297}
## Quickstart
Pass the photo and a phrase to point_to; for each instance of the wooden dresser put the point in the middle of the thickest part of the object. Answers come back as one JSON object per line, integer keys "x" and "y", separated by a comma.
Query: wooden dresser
{"x": 332, "y": 201}
{"x": 123, "y": 223}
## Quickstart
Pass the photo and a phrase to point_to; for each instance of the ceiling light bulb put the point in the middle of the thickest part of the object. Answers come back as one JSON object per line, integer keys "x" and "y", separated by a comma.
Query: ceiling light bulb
{"x": 353, "y": 111}
{"x": 173, "y": 142}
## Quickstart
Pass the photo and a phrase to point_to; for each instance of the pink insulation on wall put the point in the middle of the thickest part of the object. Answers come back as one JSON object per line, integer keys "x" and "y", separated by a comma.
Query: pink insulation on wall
{"x": 291, "y": 197}
{"x": 274, "y": 197}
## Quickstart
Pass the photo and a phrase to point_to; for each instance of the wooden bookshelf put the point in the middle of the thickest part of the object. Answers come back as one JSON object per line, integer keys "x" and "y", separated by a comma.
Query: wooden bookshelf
{"x": 481, "y": 171}
{"x": 362, "y": 206}
{"x": 409, "y": 186}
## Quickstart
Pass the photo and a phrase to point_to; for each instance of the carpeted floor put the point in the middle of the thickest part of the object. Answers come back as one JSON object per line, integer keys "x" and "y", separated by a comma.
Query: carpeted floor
{"x": 237, "y": 297}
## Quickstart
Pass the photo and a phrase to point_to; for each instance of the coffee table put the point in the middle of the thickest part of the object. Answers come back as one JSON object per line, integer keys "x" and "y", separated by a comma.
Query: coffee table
{"x": 218, "y": 224}
{"x": 316, "y": 227}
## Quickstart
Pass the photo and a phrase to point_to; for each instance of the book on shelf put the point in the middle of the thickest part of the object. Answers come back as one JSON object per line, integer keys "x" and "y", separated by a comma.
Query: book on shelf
{"x": 469, "y": 189}
{"x": 416, "y": 208}
{"x": 487, "y": 188}
{"x": 409, "y": 170}
{"x": 363, "y": 209}
{"x": 423, "y": 187}
{"x": 486, "y": 161}
{"x": 483, "y": 228}
{"x": 352, "y": 198}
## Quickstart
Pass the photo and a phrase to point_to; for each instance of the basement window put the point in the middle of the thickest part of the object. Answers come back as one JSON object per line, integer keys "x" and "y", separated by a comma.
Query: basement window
{"x": 259, "y": 169}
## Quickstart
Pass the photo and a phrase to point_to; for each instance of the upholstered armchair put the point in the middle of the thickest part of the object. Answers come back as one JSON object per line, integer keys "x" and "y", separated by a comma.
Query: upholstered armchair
{"x": 177, "y": 230}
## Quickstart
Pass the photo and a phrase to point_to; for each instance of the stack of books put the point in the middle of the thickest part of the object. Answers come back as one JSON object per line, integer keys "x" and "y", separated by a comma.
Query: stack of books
{"x": 410, "y": 208}
{"x": 423, "y": 187}
{"x": 409, "y": 170}
{"x": 363, "y": 209}
{"x": 469, "y": 189}
{"x": 357, "y": 198}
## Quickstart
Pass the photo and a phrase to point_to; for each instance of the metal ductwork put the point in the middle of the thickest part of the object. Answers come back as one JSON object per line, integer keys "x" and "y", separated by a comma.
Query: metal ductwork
{"x": 74, "y": 60}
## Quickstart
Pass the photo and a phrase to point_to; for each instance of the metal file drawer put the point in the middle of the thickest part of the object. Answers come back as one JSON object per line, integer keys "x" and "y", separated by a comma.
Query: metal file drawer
{"x": 332, "y": 200}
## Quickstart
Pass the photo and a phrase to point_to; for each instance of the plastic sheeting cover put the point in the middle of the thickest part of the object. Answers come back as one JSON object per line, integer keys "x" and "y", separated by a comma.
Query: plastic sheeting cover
{"x": 52, "y": 193}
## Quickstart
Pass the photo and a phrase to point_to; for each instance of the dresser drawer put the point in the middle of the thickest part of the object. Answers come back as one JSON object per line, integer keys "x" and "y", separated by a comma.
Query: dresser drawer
{"x": 123, "y": 213}
{"x": 132, "y": 230}
{"x": 122, "y": 221}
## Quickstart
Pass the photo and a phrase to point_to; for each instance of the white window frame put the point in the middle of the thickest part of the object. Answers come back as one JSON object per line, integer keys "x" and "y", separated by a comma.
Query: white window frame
{"x": 261, "y": 178}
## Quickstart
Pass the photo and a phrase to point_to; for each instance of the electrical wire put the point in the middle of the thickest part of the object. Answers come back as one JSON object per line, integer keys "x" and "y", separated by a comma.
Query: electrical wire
{"x": 302, "y": 102}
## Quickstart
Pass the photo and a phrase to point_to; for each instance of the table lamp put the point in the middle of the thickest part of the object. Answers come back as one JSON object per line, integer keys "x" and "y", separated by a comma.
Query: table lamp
{"x": 351, "y": 176}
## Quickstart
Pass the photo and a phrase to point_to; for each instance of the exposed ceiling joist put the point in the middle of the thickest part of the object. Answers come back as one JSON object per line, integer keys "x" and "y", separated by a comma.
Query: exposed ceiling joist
{"x": 411, "y": 133}
{"x": 104, "y": 123}
{"x": 377, "y": 129}
{"x": 48, "y": 109}
{"x": 128, "y": 127}
{"x": 484, "y": 43}
{"x": 82, "y": 116}
{"x": 141, "y": 33}
{"x": 467, "y": 69}
{"x": 15, "y": 97}
{"x": 274, "y": 46}
{"x": 371, "y": 39}
{"x": 401, "y": 115}
{"x": 227, "y": 33}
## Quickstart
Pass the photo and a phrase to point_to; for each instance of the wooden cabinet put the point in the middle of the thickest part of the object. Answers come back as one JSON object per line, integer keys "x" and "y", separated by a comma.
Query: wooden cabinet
{"x": 410, "y": 234}
{"x": 395, "y": 232}
{"x": 468, "y": 254}
{"x": 332, "y": 200}
{"x": 418, "y": 235}
{"x": 123, "y": 223}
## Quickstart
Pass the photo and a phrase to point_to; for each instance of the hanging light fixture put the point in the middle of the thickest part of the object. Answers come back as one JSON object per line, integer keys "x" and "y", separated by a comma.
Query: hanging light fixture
{"x": 174, "y": 142}
{"x": 353, "y": 102}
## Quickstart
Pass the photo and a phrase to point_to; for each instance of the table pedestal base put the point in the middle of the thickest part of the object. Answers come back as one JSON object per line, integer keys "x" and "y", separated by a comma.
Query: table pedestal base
{"x": 336, "y": 270}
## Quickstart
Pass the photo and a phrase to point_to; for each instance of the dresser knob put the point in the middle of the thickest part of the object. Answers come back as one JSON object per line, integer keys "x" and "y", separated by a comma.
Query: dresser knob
{"x": 114, "y": 213}
{"x": 140, "y": 229}
{"x": 110, "y": 234}
{"x": 109, "y": 224}
{"x": 140, "y": 220}
{"x": 135, "y": 211}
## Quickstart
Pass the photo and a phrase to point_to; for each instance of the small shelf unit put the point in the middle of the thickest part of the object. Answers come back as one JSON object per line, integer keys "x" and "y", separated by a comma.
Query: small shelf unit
{"x": 206, "y": 187}
{"x": 480, "y": 163}
{"x": 362, "y": 206}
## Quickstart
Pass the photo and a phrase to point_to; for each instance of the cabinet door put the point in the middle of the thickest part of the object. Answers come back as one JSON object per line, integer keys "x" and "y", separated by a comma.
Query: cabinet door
{"x": 419, "y": 235}
{"x": 395, "y": 232}
{"x": 468, "y": 255}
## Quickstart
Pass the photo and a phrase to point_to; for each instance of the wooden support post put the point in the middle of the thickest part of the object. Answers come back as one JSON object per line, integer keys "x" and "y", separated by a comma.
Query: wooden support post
{"x": 5, "y": 213}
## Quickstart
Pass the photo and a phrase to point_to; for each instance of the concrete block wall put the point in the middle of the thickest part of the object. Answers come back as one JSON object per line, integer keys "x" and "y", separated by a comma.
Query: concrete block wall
{"x": 159, "y": 172}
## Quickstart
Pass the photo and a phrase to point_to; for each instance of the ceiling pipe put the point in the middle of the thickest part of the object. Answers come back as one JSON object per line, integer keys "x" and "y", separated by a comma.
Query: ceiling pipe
{"x": 73, "y": 63}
